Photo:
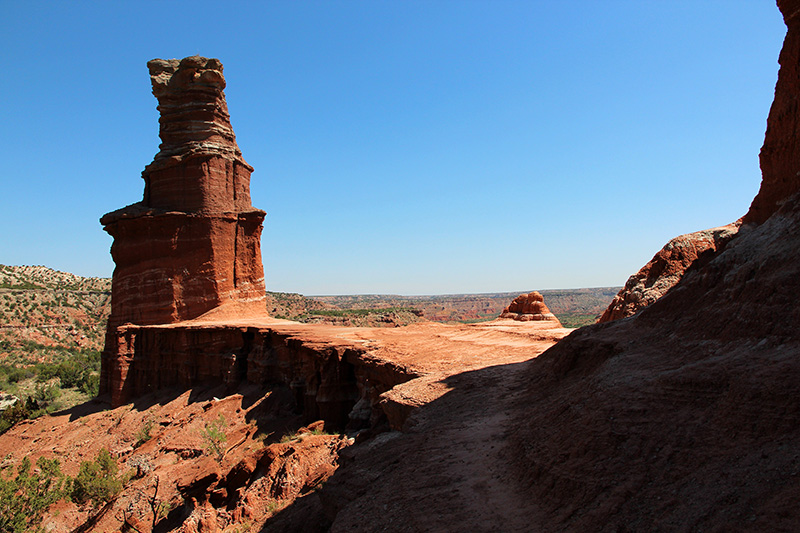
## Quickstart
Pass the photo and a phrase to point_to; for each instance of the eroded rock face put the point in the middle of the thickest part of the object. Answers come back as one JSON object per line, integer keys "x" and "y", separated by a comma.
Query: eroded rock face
{"x": 666, "y": 269}
{"x": 328, "y": 376}
{"x": 193, "y": 243}
{"x": 780, "y": 155}
{"x": 526, "y": 307}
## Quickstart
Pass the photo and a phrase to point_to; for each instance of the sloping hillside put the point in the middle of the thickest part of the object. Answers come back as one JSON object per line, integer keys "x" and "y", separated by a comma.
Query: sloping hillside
{"x": 45, "y": 307}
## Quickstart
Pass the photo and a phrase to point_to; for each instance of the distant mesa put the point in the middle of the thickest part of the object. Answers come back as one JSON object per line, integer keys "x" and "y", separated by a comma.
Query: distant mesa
{"x": 528, "y": 307}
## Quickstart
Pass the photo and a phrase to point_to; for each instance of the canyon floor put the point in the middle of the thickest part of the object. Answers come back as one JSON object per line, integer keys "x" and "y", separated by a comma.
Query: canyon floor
{"x": 454, "y": 417}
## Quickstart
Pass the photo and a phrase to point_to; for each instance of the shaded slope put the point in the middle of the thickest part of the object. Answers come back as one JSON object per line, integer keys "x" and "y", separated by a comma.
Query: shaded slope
{"x": 666, "y": 269}
{"x": 684, "y": 417}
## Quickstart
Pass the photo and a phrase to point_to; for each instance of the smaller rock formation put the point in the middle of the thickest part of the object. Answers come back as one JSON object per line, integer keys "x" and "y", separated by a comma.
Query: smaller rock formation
{"x": 527, "y": 307}
{"x": 666, "y": 269}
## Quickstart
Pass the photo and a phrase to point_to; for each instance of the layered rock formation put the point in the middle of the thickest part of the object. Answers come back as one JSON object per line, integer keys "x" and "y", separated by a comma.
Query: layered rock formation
{"x": 327, "y": 374}
{"x": 781, "y": 151}
{"x": 193, "y": 243}
{"x": 527, "y": 307}
{"x": 666, "y": 269}
{"x": 684, "y": 416}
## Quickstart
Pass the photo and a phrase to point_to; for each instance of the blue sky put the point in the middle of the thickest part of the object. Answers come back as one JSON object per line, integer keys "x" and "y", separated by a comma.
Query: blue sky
{"x": 410, "y": 147}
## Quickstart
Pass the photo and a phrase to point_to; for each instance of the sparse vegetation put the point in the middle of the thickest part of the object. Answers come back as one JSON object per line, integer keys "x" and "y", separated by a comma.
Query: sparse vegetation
{"x": 143, "y": 434}
{"x": 25, "y": 497}
{"x": 273, "y": 506}
{"x": 469, "y": 308}
{"x": 97, "y": 481}
{"x": 214, "y": 437}
{"x": 299, "y": 435}
{"x": 576, "y": 320}
{"x": 72, "y": 375}
{"x": 51, "y": 333}
{"x": 361, "y": 312}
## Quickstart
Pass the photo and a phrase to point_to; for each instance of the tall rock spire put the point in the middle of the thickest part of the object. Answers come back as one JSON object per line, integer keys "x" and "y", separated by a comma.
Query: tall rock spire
{"x": 193, "y": 243}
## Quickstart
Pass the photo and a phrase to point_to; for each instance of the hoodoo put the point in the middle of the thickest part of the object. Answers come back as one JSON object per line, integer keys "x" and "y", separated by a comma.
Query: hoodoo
{"x": 193, "y": 243}
{"x": 527, "y": 307}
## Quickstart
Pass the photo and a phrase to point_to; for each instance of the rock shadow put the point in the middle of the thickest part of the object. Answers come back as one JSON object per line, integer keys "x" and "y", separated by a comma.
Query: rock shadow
{"x": 451, "y": 464}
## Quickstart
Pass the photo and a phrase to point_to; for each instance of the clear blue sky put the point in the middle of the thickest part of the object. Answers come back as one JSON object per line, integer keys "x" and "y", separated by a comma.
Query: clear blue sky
{"x": 412, "y": 147}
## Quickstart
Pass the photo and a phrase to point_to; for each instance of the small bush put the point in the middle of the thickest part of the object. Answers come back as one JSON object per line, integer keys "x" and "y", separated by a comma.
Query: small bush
{"x": 214, "y": 437}
{"x": 12, "y": 415}
{"x": 90, "y": 385}
{"x": 143, "y": 434}
{"x": 298, "y": 435}
{"x": 97, "y": 481}
{"x": 47, "y": 394}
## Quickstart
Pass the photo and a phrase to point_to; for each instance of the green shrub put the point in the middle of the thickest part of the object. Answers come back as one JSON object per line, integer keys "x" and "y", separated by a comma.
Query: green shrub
{"x": 24, "y": 498}
{"x": 143, "y": 435}
{"x": 90, "y": 385}
{"x": 12, "y": 415}
{"x": 78, "y": 369}
{"x": 97, "y": 481}
{"x": 298, "y": 435}
{"x": 45, "y": 395}
{"x": 214, "y": 437}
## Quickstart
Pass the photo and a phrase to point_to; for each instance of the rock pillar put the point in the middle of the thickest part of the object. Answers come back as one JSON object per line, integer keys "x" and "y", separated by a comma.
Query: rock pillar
{"x": 193, "y": 243}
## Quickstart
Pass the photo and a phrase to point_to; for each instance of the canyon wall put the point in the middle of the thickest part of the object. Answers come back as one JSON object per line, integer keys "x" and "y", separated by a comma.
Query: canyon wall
{"x": 192, "y": 244}
{"x": 780, "y": 180}
{"x": 328, "y": 376}
{"x": 781, "y": 151}
{"x": 684, "y": 416}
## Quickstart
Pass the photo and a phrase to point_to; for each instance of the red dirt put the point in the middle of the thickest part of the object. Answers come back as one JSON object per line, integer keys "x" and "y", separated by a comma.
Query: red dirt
{"x": 483, "y": 356}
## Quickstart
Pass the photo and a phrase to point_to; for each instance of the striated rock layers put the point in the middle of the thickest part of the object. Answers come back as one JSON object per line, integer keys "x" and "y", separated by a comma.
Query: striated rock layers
{"x": 526, "y": 307}
{"x": 685, "y": 416}
{"x": 666, "y": 269}
{"x": 193, "y": 243}
{"x": 781, "y": 151}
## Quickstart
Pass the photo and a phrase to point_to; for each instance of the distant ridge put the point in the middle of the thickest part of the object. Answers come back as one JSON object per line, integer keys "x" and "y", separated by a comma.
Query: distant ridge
{"x": 574, "y": 307}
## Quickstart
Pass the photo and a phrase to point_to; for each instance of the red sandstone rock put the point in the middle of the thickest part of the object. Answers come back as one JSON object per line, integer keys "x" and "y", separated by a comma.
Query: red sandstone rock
{"x": 193, "y": 243}
{"x": 780, "y": 154}
{"x": 666, "y": 269}
{"x": 527, "y": 307}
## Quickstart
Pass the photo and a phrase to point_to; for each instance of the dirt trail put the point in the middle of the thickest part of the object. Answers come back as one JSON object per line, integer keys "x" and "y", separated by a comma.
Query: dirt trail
{"x": 450, "y": 463}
